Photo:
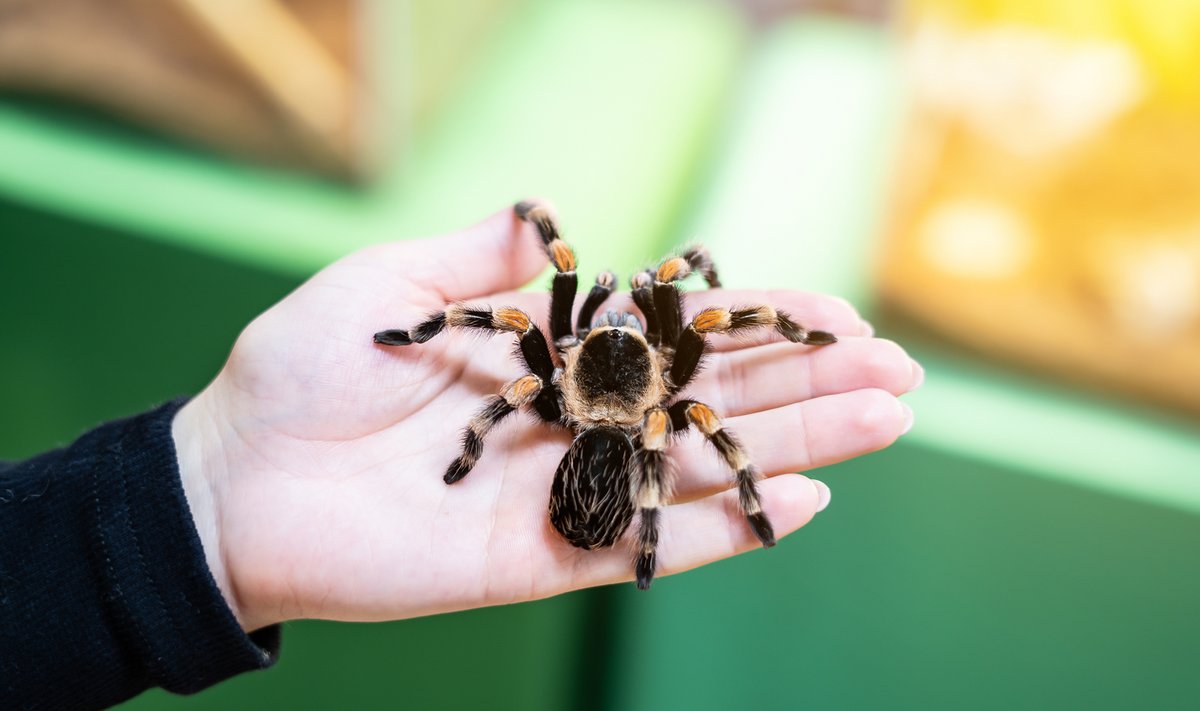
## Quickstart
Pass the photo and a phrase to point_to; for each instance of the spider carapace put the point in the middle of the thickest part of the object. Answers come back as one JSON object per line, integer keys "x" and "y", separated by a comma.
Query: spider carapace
{"x": 615, "y": 383}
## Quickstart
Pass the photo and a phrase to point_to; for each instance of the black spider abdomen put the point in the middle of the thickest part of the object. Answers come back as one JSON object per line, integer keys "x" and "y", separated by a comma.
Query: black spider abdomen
{"x": 591, "y": 501}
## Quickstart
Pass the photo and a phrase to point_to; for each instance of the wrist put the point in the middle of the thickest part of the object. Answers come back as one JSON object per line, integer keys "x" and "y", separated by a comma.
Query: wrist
{"x": 198, "y": 449}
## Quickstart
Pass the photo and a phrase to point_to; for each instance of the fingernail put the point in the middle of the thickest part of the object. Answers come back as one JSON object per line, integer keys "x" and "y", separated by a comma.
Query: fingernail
{"x": 823, "y": 494}
{"x": 868, "y": 329}
{"x": 918, "y": 376}
{"x": 908, "y": 417}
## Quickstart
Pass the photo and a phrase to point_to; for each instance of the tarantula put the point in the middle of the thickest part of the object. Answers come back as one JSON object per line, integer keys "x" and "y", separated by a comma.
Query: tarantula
{"x": 614, "y": 385}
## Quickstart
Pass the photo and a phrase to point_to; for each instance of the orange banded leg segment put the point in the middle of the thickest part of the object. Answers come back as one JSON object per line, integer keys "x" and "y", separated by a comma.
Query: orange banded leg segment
{"x": 652, "y": 492}
{"x": 694, "y": 259}
{"x": 735, "y": 457}
{"x": 566, "y": 282}
{"x": 457, "y": 316}
{"x": 513, "y": 396}
{"x": 668, "y": 303}
{"x": 655, "y": 293}
{"x": 721, "y": 320}
{"x": 533, "y": 343}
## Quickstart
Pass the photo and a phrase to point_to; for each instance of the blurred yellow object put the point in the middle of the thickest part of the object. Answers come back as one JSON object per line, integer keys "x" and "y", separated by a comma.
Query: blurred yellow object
{"x": 1048, "y": 196}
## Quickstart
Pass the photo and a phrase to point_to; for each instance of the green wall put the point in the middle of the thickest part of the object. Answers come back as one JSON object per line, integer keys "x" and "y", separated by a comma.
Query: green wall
{"x": 931, "y": 582}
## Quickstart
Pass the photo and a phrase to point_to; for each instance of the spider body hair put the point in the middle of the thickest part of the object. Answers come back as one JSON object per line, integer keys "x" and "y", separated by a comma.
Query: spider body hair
{"x": 612, "y": 378}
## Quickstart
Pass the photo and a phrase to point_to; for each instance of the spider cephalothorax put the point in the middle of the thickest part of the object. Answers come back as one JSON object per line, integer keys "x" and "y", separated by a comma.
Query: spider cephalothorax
{"x": 615, "y": 384}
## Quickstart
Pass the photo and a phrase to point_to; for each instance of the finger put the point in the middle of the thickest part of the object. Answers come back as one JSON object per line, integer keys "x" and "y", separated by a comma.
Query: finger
{"x": 708, "y": 530}
{"x": 778, "y": 374}
{"x": 498, "y": 254}
{"x": 797, "y": 437}
{"x": 812, "y": 311}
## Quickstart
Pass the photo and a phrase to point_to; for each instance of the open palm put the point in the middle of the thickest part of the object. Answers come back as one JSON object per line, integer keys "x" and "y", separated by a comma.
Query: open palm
{"x": 322, "y": 453}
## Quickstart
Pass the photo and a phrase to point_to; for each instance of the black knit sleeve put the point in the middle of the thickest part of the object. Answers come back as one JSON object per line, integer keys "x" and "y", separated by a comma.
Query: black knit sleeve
{"x": 104, "y": 588}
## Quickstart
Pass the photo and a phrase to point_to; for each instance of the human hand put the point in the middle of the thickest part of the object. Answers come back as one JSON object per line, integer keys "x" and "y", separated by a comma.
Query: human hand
{"x": 313, "y": 462}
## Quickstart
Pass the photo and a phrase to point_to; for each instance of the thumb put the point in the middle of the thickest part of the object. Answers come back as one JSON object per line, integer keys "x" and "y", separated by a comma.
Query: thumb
{"x": 501, "y": 253}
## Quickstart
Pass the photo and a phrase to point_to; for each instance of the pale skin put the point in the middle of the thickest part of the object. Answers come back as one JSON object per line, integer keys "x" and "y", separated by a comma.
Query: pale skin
{"x": 313, "y": 462}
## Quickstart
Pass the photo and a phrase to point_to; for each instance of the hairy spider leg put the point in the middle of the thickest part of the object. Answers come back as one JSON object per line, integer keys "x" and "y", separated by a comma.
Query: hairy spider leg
{"x": 514, "y": 395}
{"x": 690, "y": 348}
{"x": 642, "y": 285}
{"x": 668, "y": 302}
{"x": 597, "y": 296}
{"x": 653, "y": 485}
{"x": 531, "y": 342}
{"x": 701, "y": 262}
{"x": 734, "y": 454}
{"x": 566, "y": 282}
{"x": 657, "y": 294}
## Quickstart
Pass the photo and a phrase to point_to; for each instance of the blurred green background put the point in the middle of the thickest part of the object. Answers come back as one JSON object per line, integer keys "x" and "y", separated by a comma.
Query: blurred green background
{"x": 1027, "y": 545}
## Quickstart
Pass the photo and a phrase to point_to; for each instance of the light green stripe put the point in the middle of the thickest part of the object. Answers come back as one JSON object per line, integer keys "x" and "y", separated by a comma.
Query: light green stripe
{"x": 598, "y": 105}
{"x": 1042, "y": 430}
{"x": 794, "y": 202}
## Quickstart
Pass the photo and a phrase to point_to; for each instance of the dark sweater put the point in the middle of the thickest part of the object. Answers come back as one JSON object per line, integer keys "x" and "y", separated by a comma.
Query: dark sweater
{"x": 104, "y": 589}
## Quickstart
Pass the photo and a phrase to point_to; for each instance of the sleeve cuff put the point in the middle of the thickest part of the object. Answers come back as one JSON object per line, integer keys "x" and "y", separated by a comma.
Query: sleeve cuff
{"x": 164, "y": 600}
